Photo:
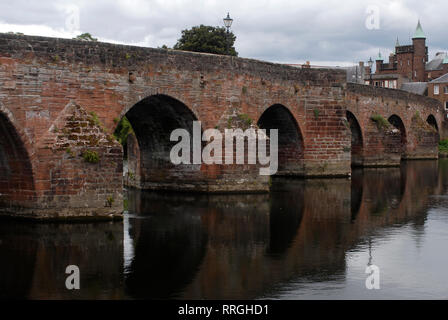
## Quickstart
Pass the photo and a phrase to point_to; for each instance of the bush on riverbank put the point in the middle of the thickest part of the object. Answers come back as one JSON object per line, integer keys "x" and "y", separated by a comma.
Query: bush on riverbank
{"x": 443, "y": 146}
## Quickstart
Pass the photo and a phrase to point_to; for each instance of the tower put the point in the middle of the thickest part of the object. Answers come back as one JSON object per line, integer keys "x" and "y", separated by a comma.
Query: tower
{"x": 379, "y": 62}
{"x": 420, "y": 54}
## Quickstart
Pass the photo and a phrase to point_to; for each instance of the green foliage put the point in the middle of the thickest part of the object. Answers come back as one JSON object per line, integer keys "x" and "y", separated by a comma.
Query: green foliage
{"x": 244, "y": 117}
{"x": 244, "y": 90}
{"x": 86, "y": 37}
{"x": 207, "y": 39}
{"x": 122, "y": 131}
{"x": 443, "y": 146}
{"x": 110, "y": 201}
{"x": 94, "y": 119}
{"x": 316, "y": 113}
{"x": 381, "y": 122}
{"x": 91, "y": 156}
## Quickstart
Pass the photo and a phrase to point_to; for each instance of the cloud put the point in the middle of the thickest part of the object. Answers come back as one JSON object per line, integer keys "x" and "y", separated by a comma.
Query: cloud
{"x": 331, "y": 31}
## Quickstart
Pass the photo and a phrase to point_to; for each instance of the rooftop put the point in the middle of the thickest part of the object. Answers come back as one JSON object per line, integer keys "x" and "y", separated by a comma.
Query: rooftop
{"x": 415, "y": 87}
{"x": 436, "y": 63}
{"x": 442, "y": 79}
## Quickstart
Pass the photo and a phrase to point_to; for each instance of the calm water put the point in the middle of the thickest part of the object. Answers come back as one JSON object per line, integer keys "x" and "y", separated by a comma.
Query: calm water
{"x": 307, "y": 240}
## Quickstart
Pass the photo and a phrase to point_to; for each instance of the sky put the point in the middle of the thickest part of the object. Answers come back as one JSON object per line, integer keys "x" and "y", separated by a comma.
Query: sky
{"x": 327, "y": 33}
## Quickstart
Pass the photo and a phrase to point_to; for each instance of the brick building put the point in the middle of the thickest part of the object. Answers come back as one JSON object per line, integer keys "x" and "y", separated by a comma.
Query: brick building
{"x": 408, "y": 63}
{"x": 438, "y": 89}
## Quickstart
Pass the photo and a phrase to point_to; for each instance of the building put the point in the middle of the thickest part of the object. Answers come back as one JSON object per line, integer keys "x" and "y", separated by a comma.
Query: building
{"x": 356, "y": 73}
{"x": 408, "y": 63}
{"x": 438, "y": 89}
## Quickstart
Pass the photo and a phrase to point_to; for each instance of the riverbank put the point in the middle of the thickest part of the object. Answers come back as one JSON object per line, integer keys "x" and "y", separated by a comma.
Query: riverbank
{"x": 443, "y": 148}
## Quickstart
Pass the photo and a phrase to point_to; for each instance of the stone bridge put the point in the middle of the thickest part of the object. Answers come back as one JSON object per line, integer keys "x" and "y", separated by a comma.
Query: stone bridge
{"x": 61, "y": 100}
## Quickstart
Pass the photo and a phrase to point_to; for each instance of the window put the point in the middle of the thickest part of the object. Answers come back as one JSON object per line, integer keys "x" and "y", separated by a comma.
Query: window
{"x": 393, "y": 84}
{"x": 415, "y": 74}
{"x": 446, "y": 105}
{"x": 445, "y": 90}
{"x": 436, "y": 89}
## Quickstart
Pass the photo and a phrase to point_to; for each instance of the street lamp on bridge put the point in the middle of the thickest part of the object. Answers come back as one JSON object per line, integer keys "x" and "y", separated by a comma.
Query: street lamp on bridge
{"x": 370, "y": 63}
{"x": 228, "y": 23}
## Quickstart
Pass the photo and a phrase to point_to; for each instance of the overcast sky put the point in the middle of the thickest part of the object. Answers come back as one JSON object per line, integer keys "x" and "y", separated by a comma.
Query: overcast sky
{"x": 323, "y": 32}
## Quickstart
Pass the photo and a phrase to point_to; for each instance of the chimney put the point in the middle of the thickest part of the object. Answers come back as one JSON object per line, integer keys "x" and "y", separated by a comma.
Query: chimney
{"x": 306, "y": 65}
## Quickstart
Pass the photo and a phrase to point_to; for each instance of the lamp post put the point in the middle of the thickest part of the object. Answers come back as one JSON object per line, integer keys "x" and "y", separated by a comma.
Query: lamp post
{"x": 370, "y": 63}
{"x": 228, "y": 23}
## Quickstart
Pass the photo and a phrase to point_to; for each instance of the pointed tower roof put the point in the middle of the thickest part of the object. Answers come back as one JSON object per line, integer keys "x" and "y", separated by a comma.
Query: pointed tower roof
{"x": 419, "y": 34}
{"x": 397, "y": 44}
{"x": 379, "y": 58}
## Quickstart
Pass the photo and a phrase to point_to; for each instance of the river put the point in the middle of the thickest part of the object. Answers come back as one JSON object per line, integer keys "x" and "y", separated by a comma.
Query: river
{"x": 307, "y": 239}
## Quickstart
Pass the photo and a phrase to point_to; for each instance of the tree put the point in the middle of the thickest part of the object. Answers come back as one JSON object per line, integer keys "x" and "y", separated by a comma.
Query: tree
{"x": 207, "y": 39}
{"x": 86, "y": 37}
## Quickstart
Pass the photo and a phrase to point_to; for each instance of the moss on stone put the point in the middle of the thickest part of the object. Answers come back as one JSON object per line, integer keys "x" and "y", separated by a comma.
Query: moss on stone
{"x": 380, "y": 121}
{"x": 91, "y": 156}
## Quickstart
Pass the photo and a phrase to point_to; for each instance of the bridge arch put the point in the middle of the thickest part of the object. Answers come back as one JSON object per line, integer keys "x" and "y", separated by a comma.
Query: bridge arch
{"x": 396, "y": 121}
{"x": 431, "y": 120}
{"x": 290, "y": 138}
{"x": 153, "y": 119}
{"x": 357, "y": 140}
{"x": 17, "y": 187}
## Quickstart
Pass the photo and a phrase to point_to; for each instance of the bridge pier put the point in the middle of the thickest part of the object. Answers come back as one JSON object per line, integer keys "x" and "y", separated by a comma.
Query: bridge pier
{"x": 422, "y": 141}
{"x": 382, "y": 148}
{"x": 74, "y": 173}
{"x": 202, "y": 178}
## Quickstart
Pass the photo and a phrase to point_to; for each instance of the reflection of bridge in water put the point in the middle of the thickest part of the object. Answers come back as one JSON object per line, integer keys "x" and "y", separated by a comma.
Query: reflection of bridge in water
{"x": 243, "y": 246}
{"x": 222, "y": 246}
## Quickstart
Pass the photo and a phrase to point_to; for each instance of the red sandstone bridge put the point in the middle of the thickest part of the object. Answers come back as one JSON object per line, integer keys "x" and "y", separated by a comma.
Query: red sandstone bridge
{"x": 60, "y": 101}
